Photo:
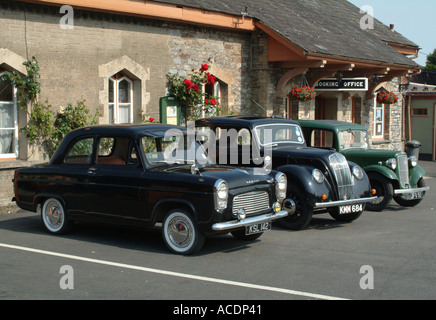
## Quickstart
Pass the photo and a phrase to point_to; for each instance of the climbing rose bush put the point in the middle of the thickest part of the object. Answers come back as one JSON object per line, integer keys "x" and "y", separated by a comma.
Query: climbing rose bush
{"x": 187, "y": 90}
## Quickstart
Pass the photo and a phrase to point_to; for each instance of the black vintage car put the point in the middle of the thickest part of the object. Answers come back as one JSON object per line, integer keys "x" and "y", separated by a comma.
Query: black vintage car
{"x": 318, "y": 180}
{"x": 141, "y": 175}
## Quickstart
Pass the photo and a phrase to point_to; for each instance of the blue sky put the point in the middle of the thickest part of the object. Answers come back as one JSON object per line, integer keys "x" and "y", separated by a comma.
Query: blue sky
{"x": 413, "y": 19}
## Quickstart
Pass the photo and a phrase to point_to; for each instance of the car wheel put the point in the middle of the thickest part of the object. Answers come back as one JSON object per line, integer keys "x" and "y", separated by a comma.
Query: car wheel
{"x": 302, "y": 216}
{"x": 54, "y": 217}
{"x": 240, "y": 235}
{"x": 410, "y": 203}
{"x": 384, "y": 192}
{"x": 180, "y": 233}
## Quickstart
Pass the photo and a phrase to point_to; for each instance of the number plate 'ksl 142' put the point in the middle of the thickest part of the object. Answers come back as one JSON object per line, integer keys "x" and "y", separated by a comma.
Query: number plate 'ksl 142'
{"x": 257, "y": 228}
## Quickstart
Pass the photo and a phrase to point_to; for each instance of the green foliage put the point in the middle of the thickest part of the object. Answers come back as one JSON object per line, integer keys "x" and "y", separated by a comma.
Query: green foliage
{"x": 44, "y": 126}
{"x": 431, "y": 61}
{"x": 28, "y": 86}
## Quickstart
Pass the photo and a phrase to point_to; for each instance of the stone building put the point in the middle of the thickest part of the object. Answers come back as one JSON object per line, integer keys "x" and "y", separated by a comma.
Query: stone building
{"x": 115, "y": 55}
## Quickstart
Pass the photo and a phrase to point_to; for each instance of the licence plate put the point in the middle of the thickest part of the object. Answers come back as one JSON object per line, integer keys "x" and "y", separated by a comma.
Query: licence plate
{"x": 351, "y": 208}
{"x": 415, "y": 195}
{"x": 257, "y": 228}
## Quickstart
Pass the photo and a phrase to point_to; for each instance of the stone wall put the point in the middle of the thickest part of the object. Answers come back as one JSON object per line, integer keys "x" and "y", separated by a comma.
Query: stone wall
{"x": 75, "y": 64}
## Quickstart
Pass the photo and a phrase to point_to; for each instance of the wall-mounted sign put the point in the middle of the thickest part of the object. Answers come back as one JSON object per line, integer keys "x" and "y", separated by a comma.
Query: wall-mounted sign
{"x": 346, "y": 84}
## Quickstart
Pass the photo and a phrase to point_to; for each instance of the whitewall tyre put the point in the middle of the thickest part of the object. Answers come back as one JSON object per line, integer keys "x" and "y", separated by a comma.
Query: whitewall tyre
{"x": 54, "y": 218}
{"x": 180, "y": 233}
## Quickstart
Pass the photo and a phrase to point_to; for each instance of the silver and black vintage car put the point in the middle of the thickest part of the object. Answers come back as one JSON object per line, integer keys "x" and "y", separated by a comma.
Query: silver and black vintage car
{"x": 140, "y": 175}
{"x": 318, "y": 180}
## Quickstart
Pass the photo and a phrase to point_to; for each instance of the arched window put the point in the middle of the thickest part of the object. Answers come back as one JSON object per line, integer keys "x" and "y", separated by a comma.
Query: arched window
{"x": 120, "y": 99}
{"x": 8, "y": 120}
{"x": 216, "y": 91}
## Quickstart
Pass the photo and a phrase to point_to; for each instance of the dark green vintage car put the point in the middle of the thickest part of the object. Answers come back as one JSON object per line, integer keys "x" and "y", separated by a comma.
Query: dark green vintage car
{"x": 393, "y": 174}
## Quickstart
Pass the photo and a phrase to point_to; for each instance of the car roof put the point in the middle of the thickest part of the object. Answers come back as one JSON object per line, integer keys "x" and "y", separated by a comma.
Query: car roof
{"x": 334, "y": 125}
{"x": 249, "y": 120}
{"x": 151, "y": 129}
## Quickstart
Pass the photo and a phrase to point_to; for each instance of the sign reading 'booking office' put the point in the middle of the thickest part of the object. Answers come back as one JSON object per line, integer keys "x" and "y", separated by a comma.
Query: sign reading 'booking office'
{"x": 346, "y": 84}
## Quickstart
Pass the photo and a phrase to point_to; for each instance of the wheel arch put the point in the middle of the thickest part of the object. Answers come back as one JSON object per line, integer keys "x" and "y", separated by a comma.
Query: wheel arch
{"x": 164, "y": 206}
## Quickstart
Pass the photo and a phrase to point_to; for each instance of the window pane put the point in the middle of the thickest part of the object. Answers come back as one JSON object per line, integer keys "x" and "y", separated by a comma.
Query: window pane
{"x": 124, "y": 91}
{"x": 124, "y": 113}
{"x": 7, "y": 119}
{"x": 419, "y": 112}
{"x": 105, "y": 146}
{"x": 111, "y": 113}
{"x": 81, "y": 152}
{"x": 6, "y": 91}
{"x": 322, "y": 139}
{"x": 7, "y": 141}
{"x": 111, "y": 91}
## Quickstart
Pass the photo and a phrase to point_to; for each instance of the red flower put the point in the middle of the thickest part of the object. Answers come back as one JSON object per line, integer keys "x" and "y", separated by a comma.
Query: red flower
{"x": 213, "y": 102}
{"x": 187, "y": 82}
{"x": 210, "y": 78}
{"x": 151, "y": 119}
{"x": 204, "y": 67}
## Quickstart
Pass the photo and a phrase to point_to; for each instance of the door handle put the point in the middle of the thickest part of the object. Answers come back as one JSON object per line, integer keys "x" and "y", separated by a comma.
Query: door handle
{"x": 91, "y": 172}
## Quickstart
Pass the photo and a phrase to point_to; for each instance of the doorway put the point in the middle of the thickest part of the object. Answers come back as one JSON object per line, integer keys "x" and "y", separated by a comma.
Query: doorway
{"x": 326, "y": 108}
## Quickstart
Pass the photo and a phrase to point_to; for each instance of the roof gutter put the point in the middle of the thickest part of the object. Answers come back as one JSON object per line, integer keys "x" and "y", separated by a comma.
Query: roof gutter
{"x": 159, "y": 10}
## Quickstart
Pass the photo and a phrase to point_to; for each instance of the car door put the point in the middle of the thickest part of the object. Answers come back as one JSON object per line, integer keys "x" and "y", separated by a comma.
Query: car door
{"x": 115, "y": 180}
{"x": 72, "y": 176}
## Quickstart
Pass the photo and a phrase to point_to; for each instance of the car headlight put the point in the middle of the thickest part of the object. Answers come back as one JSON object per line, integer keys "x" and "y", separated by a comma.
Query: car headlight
{"x": 413, "y": 161}
{"x": 391, "y": 163}
{"x": 221, "y": 195}
{"x": 281, "y": 186}
{"x": 358, "y": 173}
{"x": 317, "y": 176}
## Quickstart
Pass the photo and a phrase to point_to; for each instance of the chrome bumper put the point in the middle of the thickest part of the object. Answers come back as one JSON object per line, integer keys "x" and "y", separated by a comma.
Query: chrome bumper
{"x": 234, "y": 224}
{"x": 342, "y": 202}
{"x": 404, "y": 191}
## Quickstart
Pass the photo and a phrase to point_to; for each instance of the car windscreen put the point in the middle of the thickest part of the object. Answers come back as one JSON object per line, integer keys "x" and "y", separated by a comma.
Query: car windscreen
{"x": 280, "y": 133}
{"x": 173, "y": 149}
{"x": 353, "y": 139}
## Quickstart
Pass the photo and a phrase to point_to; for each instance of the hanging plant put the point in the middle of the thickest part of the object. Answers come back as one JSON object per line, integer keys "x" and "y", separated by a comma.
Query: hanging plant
{"x": 385, "y": 97}
{"x": 303, "y": 93}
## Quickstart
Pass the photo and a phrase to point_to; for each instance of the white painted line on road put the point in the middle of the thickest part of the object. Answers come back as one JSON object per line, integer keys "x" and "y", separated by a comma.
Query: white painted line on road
{"x": 174, "y": 274}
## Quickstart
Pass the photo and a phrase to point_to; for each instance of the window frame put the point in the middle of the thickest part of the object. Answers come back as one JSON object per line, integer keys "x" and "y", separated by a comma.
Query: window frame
{"x": 14, "y": 143}
{"x": 426, "y": 115}
{"x": 379, "y": 106}
{"x": 115, "y": 112}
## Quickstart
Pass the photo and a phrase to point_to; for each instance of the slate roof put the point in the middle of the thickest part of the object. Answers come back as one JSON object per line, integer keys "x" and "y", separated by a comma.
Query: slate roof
{"x": 330, "y": 27}
{"x": 425, "y": 77}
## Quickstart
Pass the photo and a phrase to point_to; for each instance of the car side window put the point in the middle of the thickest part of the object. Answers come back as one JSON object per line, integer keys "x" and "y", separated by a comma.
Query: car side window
{"x": 112, "y": 151}
{"x": 81, "y": 152}
{"x": 321, "y": 139}
{"x": 244, "y": 137}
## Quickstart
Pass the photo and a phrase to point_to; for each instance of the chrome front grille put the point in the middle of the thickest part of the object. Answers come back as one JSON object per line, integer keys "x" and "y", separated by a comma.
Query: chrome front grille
{"x": 251, "y": 202}
{"x": 343, "y": 176}
{"x": 403, "y": 171}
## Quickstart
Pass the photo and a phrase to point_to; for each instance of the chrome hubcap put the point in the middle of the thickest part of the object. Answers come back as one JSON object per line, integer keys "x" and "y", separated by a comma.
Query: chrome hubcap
{"x": 180, "y": 232}
{"x": 54, "y": 216}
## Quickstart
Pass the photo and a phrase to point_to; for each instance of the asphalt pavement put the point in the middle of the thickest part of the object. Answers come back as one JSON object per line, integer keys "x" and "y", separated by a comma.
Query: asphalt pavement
{"x": 389, "y": 255}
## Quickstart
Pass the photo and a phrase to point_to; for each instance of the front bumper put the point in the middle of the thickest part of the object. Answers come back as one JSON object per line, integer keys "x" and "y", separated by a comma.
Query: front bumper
{"x": 414, "y": 190}
{"x": 235, "y": 224}
{"x": 320, "y": 205}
